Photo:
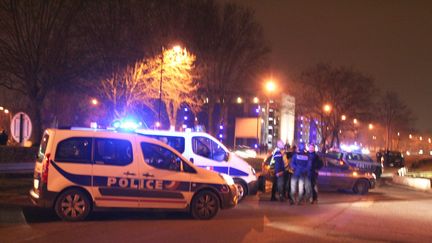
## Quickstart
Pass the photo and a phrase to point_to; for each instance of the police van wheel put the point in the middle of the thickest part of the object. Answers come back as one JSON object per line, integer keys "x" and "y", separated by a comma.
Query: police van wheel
{"x": 205, "y": 205}
{"x": 361, "y": 187}
{"x": 241, "y": 188}
{"x": 73, "y": 205}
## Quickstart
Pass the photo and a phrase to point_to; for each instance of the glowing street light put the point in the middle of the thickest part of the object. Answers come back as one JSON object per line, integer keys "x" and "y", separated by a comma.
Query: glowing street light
{"x": 94, "y": 101}
{"x": 255, "y": 100}
{"x": 355, "y": 121}
{"x": 1, "y": 108}
{"x": 327, "y": 108}
{"x": 6, "y": 111}
{"x": 343, "y": 117}
{"x": 371, "y": 126}
{"x": 270, "y": 86}
{"x": 239, "y": 100}
{"x": 410, "y": 136}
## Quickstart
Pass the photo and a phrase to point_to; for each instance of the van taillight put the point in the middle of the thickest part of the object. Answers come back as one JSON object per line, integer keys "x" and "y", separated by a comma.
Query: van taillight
{"x": 45, "y": 167}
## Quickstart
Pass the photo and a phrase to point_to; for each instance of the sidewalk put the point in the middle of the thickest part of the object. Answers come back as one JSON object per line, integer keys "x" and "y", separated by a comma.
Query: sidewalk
{"x": 24, "y": 167}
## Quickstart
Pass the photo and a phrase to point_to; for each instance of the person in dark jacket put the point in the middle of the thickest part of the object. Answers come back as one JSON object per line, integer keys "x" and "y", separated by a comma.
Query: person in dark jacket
{"x": 289, "y": 153}
{"x": 300, "y": 180}
{"x": 279, "y": 168}
{"x": 3, "y": 137}
{"x": 314, "y": 165}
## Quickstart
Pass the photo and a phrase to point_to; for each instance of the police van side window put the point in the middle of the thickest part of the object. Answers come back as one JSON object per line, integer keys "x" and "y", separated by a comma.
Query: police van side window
{"x": 74, "y": 150}
{"x": 42, "y": 147}
{"x": 160, "y": 157}
{"x": 178, "y": 143}
{"x": 207, "y": 148}
{"x": 113, "y": 151}
{"x": 201, "y": 146}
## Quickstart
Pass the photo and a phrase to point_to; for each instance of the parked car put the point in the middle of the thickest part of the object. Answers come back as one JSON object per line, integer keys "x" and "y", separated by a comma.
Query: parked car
{"x": 356, "y": 159}
{"x": 391, "y": 158}
{"x": 334, "y": 175}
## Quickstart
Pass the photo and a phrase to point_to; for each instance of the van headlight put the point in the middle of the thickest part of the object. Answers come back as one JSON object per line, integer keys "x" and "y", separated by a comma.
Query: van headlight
{"x": 228, "y": 179}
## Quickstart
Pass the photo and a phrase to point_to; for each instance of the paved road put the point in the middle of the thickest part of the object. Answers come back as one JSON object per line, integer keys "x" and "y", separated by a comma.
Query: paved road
{"x": 388, "y": 213}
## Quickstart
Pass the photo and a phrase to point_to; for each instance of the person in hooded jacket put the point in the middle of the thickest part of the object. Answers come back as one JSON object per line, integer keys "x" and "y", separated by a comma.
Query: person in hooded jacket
{"x": 300, "y": 182}
{"x": 279, "y": 168}
{"x": 314, "y": 165}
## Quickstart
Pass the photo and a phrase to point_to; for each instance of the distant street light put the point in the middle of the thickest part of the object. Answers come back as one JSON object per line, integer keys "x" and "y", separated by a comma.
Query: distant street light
{"x": 6, "y": 111}
{"x": 270, "y": 86}
{"x": 94, "y": 101}
{"x": 327, "y": 108}
{"x": 371, "y": 126}
{"x": 343, "y": 117}
{"x": 255, "y": 100}
{"x": 239, "y": 100}
{"x": 355, "y": 121}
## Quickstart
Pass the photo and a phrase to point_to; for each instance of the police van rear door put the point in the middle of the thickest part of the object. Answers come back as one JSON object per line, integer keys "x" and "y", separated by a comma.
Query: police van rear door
{"x": 164, "y": 182}
{"x": 115, "y": 173}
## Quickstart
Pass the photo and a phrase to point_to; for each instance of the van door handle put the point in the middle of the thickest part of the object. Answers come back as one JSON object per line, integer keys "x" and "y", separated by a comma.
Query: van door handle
{"x": 148, "y": 175}
{"x": 129, "y": 173}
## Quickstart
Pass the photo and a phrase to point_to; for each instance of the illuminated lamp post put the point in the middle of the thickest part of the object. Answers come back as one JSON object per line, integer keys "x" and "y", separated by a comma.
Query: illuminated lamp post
{"x": 176, "y": 49}
{"x": 270, "y": 87}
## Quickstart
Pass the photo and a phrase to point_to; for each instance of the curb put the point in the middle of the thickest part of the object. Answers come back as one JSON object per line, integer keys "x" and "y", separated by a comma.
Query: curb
{"x": 11, "y": 215}
{"x": 422, "y": 184}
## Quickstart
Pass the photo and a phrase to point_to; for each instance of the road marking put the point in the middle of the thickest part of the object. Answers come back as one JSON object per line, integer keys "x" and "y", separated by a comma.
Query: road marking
{"x": 363, "y": 204}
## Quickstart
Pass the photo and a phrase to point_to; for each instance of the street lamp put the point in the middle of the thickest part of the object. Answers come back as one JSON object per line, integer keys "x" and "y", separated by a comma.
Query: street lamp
{"x": 327, "y": 108}
{"x": 343, "y": 117}
{"x": 270, "y": 87}
{"x": 94, "y": 101}
{"x": 176, "y": 49}
{"x": 371, "y": 126}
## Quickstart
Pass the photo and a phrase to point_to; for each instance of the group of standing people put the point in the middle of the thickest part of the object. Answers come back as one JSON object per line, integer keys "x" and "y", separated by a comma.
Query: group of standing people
{"x": 296, "y": 173}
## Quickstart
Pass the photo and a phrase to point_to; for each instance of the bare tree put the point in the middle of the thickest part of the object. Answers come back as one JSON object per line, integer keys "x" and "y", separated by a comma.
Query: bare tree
{"x": 394, "y": 115}
{"x": 176, "y": 81}
{"x": 230, "y": 50}
{"x": 128, "y": 88}
{"x": 347, "y": 91}
{"x": 140, "y": 84}
{"x": 35, "y": 52}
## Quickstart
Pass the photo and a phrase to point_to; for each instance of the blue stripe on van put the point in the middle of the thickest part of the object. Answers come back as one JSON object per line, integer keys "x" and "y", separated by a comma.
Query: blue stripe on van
{"x": 237, "y": 172}
{"x": 225, "y": 169}
{"x": 83, "y": 180}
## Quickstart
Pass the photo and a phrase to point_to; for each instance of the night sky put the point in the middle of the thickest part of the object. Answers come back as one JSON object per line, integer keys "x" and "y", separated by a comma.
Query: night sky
{"x": 389, "y": 40}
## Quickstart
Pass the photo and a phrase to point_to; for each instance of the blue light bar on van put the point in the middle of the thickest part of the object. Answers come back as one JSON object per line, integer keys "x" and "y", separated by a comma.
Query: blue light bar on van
{"x": 126, "y": 124}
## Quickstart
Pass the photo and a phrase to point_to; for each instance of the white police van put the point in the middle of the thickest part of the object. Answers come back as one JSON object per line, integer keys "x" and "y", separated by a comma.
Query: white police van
{"x": 78, "y": 170}
{"x": 207, "y": 152}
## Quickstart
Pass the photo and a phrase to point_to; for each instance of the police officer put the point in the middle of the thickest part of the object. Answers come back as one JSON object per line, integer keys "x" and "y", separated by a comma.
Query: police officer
{"x": 300, "y": 180}
{"x": 279, "y": 168}
{"x": 289, "y": 153}
{"x": 314, "y": 164}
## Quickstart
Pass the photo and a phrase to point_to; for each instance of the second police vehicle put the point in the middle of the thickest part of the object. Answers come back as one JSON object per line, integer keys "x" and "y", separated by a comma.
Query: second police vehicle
{"x": 207, "y": 152}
